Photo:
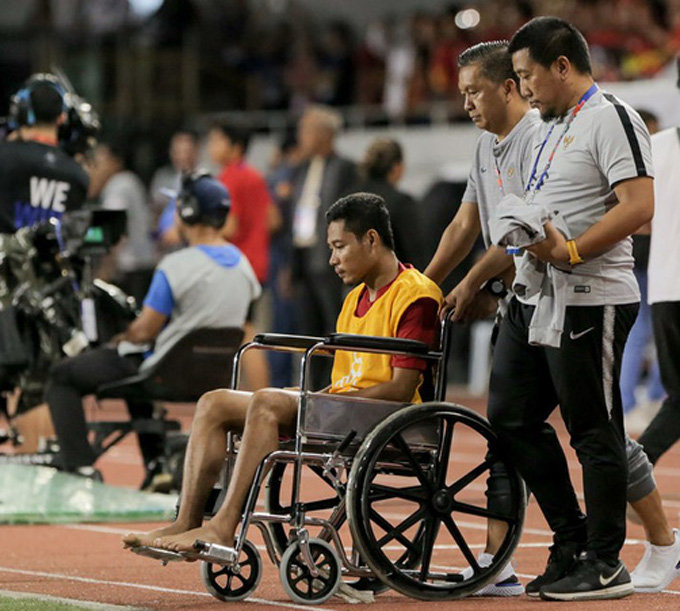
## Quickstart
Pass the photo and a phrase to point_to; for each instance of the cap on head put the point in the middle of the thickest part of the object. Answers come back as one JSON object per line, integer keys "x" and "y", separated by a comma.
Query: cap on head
{"x": 41, "y": 99}
{"x": 203, "y": 200}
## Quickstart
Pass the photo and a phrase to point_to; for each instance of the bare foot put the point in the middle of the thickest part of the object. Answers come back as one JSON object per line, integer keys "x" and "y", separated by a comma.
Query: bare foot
{"x": 184, "y": 542}
{"x": 147, "y": 539}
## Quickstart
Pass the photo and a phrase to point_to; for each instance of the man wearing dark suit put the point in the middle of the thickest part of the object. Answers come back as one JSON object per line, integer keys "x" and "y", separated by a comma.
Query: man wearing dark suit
{"x": 319, "y": 181}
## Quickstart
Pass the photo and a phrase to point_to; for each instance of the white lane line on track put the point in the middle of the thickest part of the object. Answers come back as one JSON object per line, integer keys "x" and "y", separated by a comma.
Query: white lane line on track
{"x": 137, "y": 586}
{"x": 530, "y": 531}
{"x": 83, "y": 604}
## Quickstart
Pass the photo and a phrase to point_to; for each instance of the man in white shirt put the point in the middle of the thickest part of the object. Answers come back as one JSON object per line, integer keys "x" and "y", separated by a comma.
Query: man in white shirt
{"x": 664, "y": 289}
{"x": 118, "y": 188}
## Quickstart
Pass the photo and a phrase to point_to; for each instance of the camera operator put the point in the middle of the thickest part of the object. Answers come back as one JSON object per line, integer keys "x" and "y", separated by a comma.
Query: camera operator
{"x": 38, "y": 182}
{"x": 207, "y": 284}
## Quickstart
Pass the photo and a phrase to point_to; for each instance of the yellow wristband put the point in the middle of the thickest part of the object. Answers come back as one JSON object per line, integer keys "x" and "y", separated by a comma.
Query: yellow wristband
{"x": 574, "y": 257}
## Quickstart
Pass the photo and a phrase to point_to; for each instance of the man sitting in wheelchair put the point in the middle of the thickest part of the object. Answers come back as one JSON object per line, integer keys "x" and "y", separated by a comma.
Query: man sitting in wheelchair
{"x": 391, "y": 300}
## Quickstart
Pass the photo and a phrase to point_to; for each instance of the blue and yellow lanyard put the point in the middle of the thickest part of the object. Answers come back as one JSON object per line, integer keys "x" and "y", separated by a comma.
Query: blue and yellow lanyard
{"x": 529, "y": 192}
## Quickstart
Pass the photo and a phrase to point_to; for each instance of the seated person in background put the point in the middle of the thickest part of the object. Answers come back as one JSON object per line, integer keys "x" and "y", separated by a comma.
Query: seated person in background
{"x": 208, "y": 284}
{"x": 391, "y": 301}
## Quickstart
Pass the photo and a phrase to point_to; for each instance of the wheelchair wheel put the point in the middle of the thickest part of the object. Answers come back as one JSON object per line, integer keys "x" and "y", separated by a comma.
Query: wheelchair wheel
{"x": 234, "y": 583}
{"x": 417, "y": 501}
{"x": 297, "y": 579}
{"x": 277, "y": 499}
{"x": 278, "y": 502}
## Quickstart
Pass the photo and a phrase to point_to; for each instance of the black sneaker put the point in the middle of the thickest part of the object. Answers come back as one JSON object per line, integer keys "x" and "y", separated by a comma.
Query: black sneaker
{"x": 562, "y": 558}
{"x": 590, "y": 579}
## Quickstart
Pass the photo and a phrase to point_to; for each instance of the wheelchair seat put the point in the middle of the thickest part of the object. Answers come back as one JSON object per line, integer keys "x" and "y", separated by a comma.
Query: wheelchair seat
{"x": 200, "y": 361}
{"x": 329, "y": 417}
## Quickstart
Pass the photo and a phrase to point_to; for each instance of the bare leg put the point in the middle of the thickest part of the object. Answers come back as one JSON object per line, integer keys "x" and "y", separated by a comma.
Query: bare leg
{"x": 271, "y": 412}
{"x": 495, "y": 533}
{"x": 650, "y": 510}
{"x": 217, "y": 412}
{"x": 255, "y": 363}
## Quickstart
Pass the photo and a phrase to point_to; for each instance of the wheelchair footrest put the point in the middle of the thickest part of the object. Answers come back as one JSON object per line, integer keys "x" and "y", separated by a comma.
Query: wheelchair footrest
{"x": 213, "y": 552}
{"x": 208, "y": 552}
{"x": 164, "y": 555}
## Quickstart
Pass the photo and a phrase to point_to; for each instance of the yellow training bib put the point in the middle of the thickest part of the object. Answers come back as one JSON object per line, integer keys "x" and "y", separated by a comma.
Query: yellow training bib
{"x": 355, "y": 370}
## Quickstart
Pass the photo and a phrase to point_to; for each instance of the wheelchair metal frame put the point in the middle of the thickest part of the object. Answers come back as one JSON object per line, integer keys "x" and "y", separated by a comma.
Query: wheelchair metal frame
{"x": 424, "y": 432}
{"x": 299, "y": 456}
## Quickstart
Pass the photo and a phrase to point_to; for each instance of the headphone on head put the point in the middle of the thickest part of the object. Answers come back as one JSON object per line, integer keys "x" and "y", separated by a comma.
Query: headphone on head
{"x": 21, "y": 106}
{"x": 188, "y": 205}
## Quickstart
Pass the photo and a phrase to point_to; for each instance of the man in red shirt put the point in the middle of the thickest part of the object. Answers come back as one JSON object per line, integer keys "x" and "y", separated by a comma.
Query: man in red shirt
{"x": 250, "y": 221}
{"x": 248, "y": 224}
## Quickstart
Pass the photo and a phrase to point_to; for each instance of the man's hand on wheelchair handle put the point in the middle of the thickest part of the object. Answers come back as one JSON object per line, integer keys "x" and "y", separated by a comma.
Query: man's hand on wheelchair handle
{"x": 469, "y": 304}
{"x": 458, "y": 300}
{"x": 483, "y": 306}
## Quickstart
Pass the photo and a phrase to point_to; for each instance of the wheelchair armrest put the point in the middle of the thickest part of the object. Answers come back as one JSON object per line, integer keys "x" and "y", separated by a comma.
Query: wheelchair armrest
{"x": 374, "y": 342}
{"x": 300, "y": 342}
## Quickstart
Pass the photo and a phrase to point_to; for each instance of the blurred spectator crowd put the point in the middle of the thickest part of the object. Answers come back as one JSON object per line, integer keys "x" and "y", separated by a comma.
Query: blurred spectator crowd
{"x": 277, "y": 55}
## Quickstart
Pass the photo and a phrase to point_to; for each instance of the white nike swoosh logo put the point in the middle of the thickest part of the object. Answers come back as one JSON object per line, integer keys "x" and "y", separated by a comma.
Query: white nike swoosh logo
{"x": 573, "y": 335}
{"x": 608, "y": 580}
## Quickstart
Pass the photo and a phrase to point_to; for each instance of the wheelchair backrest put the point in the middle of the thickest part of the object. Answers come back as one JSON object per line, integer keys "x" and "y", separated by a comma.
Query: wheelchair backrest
{"x": 201, "y": 361}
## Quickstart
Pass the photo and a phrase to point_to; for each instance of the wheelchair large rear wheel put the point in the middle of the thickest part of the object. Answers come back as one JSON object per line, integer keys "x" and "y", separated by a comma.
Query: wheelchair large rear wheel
{"x": 417, "y": 501}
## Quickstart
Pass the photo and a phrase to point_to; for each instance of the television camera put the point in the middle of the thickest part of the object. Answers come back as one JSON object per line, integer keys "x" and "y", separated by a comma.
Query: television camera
{"x": 50, "y": 304}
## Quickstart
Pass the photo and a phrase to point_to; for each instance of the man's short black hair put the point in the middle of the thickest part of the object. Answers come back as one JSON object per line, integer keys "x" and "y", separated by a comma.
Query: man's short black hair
{"x": 361, "y": 212}
{"x": 238, "y": 134}
{"x": 493, "y": 59}
{"x": 47, "y": 103}
{"x": 547, "y": 38}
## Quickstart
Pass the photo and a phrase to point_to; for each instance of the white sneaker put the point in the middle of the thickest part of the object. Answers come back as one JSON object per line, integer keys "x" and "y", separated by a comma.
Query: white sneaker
{"x": 505, "y": 584}
{"x": 659, "y": 566}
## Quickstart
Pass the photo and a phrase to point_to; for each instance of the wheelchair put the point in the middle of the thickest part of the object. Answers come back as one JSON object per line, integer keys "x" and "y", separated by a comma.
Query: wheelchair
{"x": 406, "y": 482}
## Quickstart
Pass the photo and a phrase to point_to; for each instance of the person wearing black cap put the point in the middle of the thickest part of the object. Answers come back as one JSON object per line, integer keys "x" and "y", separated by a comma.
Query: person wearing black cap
{"x": 208, "y": 284}
{"x": 38, "y": 180}
{"x": 39, "y": 183}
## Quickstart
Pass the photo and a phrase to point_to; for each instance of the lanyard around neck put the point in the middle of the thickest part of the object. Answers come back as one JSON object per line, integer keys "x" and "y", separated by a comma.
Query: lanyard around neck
{"x": 529, "y": 191}
{"x": 499, "y": 177}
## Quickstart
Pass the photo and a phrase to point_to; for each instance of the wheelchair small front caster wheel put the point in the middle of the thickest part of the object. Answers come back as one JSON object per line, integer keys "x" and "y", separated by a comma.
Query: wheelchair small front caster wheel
{"x": 297, "y": 578}
{"x": 232, "y": 583}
